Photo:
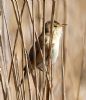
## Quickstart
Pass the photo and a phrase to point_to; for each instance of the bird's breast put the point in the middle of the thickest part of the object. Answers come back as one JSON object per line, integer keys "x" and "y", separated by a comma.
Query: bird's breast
{"x": 54, "y": 53}
{"x": 55, "y": 48}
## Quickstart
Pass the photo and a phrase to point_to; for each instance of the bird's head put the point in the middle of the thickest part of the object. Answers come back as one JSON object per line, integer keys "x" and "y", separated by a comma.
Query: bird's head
{"x": 57, "y": 30}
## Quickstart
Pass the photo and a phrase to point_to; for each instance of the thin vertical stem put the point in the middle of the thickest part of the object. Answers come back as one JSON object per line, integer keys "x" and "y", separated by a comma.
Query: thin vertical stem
{"x": 44, "y": 66}
{"x": 63, "y": 50}
{"x": 44, "y": 33}
{"x": 39, "y": 14}
{"x": 51, "y": 37}
{"x": 64, "y": 29}
{"x": 34, "y": 49}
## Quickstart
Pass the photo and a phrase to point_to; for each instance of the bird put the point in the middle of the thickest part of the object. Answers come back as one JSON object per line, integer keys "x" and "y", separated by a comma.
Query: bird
{"x": 57, "y": 31}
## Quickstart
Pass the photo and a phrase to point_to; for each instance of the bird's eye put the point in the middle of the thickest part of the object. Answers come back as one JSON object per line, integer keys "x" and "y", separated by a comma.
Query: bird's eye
{"x": 55, "y": 26}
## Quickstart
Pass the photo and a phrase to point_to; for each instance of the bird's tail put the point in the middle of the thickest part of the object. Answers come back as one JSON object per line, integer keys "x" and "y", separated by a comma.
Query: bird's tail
{"x": 28, "y": 66}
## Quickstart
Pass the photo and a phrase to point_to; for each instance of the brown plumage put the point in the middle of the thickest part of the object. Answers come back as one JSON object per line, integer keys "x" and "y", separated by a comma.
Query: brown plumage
{"x": 57, "y": 31}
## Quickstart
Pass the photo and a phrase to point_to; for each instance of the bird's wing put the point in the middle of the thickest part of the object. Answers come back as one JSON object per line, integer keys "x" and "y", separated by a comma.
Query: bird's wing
{"x": 37, "y": 48}
{"x": 39, "y": 59}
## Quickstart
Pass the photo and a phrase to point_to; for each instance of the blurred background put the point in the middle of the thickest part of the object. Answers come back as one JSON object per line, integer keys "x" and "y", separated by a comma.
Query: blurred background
{"x": 70, "y": 85}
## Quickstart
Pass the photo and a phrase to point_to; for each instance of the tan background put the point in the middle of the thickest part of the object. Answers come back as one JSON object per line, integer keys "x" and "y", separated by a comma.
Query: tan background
{"x": 75, "y": 55}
